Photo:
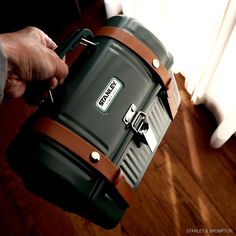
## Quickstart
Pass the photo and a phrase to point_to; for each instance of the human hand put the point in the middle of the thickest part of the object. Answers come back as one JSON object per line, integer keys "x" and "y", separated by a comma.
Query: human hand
{"x": 31, "y": 57}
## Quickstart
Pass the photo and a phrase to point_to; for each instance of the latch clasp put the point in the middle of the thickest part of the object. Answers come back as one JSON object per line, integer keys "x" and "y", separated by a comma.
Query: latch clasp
{"x": 138, "y": 121}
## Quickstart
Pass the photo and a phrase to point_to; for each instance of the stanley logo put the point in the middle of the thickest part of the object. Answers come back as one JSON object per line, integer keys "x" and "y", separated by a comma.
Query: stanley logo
{"x": 108, "y": 95}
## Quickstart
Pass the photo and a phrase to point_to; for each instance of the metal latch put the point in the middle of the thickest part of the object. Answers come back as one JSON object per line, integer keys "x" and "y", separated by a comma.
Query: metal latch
{"x": 138, "y": 122}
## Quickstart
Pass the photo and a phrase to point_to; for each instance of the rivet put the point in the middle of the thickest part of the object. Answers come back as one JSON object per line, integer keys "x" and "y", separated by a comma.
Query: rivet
{"x": 155, "y": 63}
{"x": 132, "y": 108}
{"x": 126, "y": 119}
{"x": 95, "y": 157}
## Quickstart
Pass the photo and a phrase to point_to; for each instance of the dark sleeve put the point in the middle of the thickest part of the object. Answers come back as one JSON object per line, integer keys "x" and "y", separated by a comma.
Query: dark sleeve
{"x": 3, "y": 72}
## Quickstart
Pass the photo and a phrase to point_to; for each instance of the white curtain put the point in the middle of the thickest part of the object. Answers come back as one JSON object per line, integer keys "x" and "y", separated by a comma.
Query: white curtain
{"x": 201, "y": 35}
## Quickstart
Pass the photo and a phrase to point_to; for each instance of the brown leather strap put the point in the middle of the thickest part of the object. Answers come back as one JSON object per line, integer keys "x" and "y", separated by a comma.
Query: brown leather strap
{"x": 146, "y": 54}
{"x": 83, "y": 150}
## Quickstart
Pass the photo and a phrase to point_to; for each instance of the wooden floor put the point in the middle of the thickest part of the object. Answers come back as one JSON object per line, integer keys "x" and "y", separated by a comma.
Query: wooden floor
{"x": 189, "y": 187}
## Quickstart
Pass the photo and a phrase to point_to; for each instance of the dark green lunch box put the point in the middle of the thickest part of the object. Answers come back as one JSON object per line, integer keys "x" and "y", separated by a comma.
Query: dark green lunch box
{"x": 88, "y": 150}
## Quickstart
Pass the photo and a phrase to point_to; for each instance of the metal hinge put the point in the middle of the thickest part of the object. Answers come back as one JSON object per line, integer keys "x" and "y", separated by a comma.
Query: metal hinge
{"x": 138, "y": 122}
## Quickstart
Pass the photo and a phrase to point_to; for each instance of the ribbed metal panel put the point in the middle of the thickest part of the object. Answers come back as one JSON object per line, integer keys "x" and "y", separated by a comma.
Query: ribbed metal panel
{"x": 134, "y": 160}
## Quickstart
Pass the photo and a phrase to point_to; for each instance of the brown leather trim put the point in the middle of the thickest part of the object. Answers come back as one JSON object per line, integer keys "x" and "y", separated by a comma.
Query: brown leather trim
{"x": 83, "y": 149}
{"x": 171, "y": 99}
{"x": 144, "y": 52}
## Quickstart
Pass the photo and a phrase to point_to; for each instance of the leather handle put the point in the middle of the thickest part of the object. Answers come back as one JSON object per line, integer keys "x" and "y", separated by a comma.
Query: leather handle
{"x": 139, "y": 48}
{"x": 84, "y": 150}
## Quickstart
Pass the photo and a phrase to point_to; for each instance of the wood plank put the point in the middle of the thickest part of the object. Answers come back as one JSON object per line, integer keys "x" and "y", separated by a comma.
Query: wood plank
{"x": 88, "y": 228}
{"x": 212, "y": 169}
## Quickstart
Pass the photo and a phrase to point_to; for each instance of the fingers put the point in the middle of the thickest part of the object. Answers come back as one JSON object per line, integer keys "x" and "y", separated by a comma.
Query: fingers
{"x": 38, "y": 35}
{"x": 49, "y": 43}
{"x": 60, "y": 67}
{"x": 14, "y": 88}
{"x": 53, "y": 83}
{"x": 61, "y": 70}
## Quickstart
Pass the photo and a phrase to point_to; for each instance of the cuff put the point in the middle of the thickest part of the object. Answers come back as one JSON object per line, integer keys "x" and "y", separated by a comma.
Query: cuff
{"x": 3, "y": 72}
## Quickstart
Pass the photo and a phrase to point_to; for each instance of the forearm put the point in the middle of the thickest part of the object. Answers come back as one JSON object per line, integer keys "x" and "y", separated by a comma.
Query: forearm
{"x": 3, "y": 72}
